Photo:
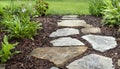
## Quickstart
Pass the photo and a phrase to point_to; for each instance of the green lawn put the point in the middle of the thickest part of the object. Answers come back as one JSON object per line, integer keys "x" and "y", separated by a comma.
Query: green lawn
{"x": 61, "y": 7}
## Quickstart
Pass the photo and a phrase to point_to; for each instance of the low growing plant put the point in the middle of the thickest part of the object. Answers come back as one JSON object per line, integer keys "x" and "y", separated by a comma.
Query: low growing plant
{"x": 5, "y": 52}
{"x": 96, "y": 6}
{"x": 111, "y": 13}
{"x": 21, "y": 27}
{"x": 41, "y": 6}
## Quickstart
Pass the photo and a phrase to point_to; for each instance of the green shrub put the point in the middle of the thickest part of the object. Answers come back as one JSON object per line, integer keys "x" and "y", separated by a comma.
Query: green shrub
{"x": 20, "y": 27}
{"x": 5, "y": 52}
{"x": 111, "y": 13}
{"x": 96, "y": 6}
{"x": 41, "y": 6}
{"x": 20, "y": 10}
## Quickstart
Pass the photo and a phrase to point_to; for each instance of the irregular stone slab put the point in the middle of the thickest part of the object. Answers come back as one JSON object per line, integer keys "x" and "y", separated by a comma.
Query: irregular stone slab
{"x": 58, "y": 55}
{"x": 54, "y": 68}
{"x": 70, "y": 17}
{"x": 64, "y": 32}
{"x": 118, "y": 62}
{"x": 72, "y": 23}
{"x": 92, "y": 61}
{"x": 101, "y": 43}
{"x": 2, "y": 66}
{"x": 66, "y": 41}
{"x": 91, "y": 30}
{"x": 88, "y": 26}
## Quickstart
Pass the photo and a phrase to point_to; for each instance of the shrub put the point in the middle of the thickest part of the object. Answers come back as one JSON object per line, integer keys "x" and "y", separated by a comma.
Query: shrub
{"x": 96, "y": 6}
{"x": 20, "y": 27}
{"x": 41, "y": 6}
{"x": 20, "y": 10}
{"x": 111, "y": 13}
{"x": 5, "y": 52}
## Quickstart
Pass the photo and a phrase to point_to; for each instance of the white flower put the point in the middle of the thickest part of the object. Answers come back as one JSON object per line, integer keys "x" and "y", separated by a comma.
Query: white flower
{"x": 24, "y": 10}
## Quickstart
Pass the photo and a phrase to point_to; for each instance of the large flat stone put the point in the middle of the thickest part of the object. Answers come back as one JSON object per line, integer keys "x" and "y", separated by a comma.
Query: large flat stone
{"x": 72, "y": 23}
{"x": 70, "y": 17}
{"x": 64, "y": 32}
{"x": 92, "y": 61}
{"x": 58, "y": 55}
{"x": 66, "y": 41}
{"x": 91, "y": 30}
{"x": 101, "y": 43}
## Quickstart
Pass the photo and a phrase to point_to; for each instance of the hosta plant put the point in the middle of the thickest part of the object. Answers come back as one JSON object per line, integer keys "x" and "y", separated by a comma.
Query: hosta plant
{"x": 5, "y": 52}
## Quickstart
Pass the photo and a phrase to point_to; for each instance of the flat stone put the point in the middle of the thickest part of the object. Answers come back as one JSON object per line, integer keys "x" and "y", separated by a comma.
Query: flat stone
{"x": 54, "y": 68}
{"x": 64, "y": 32}
{"x": 91, "y": 30}
{"x": 118, "y": 62}
{"x": 66, "y": 41}
{"x": 72, "y": 23}
{"x": 70, "y": 17}
{"x": 2, "y": 66}
{"x": 92, "y": 61}
{"x": 101, "y": 43}
{"x": 58, "y": 55}
{"x": 88, "y": 26}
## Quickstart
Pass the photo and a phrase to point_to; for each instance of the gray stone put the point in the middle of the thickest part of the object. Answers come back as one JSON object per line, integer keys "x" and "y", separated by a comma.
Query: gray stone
{"x": 118, "y": 62}
{"x": 64, "y": 32}
{"x": 70, "y": 17}
{"x": 92, "y": 61}
{"x": 66, "y": 41}
{"x": 91, "y": 30}
{"x": 54, "y": 68}
{"x": 58, "y": 55}
{"x": 101, "y": 43}
{"x": 2, "y": 66}
{"x": 72, "y": 23}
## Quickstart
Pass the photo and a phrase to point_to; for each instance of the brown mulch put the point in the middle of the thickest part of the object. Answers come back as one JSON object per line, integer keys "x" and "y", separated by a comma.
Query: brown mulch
{"x": 49, "y": 24}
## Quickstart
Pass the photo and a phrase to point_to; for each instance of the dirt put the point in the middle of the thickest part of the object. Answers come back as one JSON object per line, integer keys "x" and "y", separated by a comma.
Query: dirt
{"x": 49, "y": 24}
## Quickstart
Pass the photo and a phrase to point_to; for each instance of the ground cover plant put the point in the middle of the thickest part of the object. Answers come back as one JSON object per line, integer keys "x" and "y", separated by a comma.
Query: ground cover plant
{"x": 111, "y": 13}
{"x": 6, "y": 50}
{"x": 96, "y": 7}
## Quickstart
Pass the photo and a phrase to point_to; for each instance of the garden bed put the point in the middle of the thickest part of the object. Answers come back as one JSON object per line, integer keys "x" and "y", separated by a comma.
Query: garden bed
{"x": 49, "y": 24}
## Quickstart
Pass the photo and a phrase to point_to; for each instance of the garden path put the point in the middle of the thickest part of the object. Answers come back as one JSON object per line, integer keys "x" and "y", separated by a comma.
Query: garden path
{"x": 66, "y": 47}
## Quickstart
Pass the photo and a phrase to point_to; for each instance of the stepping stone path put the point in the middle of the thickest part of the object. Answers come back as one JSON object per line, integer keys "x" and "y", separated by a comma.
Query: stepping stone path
{"x": 58, "y": 55}
{"x": 66, "y": 48}
{"x": 92, "y": 61}
{"x": 66, "y": 41}
{"x": 101, "y": 43}
{"x": 64, "y": 32}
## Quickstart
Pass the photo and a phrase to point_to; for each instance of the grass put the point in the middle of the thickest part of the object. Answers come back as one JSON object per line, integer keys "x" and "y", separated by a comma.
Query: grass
{"x": 79, "y": 7}
{"x": 62, "y": 7}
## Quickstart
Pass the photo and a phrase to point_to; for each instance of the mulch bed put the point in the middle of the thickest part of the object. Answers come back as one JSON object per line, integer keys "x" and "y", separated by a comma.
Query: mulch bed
{"x": 49, "y": 24}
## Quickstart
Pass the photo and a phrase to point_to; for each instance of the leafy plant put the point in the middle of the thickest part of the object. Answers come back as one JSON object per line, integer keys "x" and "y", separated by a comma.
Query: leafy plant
{"x": 96, "y": 6}
{"x": 41, "y": 6}
{"x": 5, "y": 52}
{"x": 111, "y": 13}
{"x": 21, "y": 27}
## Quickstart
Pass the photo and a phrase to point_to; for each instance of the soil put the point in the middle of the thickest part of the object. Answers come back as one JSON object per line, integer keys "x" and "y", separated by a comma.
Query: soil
{"x": 49, "y": 24}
